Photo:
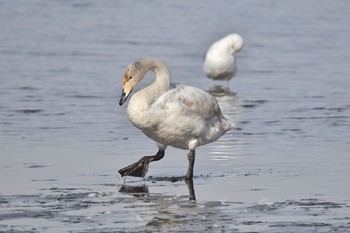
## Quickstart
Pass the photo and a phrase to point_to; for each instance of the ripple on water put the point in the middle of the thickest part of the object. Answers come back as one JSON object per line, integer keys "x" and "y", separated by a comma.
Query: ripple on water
{"x": 29, "y": 111}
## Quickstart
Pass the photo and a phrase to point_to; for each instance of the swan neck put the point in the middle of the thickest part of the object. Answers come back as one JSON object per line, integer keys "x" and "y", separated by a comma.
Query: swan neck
{"x": 162, "y": 81}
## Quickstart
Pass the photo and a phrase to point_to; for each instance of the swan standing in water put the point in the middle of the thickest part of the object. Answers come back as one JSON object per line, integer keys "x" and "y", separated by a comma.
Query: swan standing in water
{"x": 219, "y": 61}
{"x": 184, "y": 117}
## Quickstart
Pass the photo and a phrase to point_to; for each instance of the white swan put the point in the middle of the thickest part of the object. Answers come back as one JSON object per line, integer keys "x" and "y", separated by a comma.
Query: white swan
{"x": 219, "y": 61}
{"x": 184, "y": 117}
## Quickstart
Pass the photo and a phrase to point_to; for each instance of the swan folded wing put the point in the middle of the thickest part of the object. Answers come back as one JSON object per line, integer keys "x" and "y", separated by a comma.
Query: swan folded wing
{"x": 189, "y": 113}
{"x": 190, "y": 101}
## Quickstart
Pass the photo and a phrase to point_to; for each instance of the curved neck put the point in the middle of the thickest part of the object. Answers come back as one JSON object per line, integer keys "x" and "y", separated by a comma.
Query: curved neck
{"x": 162, "y": 82}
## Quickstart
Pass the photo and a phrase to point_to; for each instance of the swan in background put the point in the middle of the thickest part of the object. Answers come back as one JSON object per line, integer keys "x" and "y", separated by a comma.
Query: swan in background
{"x": 219, "y": 61}
{"x": 184, "y": 117}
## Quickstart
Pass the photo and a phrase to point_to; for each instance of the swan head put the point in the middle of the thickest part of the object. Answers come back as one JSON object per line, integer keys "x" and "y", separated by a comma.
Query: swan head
{"x": 235, "y": 42}
{"x": 132, "y": 76}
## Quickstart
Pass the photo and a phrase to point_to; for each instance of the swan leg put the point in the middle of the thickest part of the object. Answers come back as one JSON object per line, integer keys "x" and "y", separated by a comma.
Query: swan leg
{"x": 140, "y": 168}
{"x": 192, "y": 194}
{"x": 191, "y": 157}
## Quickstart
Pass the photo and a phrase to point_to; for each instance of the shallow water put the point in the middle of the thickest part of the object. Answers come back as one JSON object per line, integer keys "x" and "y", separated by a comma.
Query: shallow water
{"x": 63, "y": 137}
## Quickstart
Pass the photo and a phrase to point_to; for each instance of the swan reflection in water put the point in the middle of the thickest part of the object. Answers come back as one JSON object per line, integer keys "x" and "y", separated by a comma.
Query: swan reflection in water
{"x": 142, "y": 190}
{"x": 165, "y": 214}
{"x": 159, "y": 212}
{"x": 136, "y": 191}
{"x": 219, "y": 91}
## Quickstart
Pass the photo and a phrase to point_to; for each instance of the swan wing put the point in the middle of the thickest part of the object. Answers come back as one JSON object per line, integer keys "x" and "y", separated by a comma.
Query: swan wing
{"x": 187, "y": 113}
{"x": 189, "y": 101}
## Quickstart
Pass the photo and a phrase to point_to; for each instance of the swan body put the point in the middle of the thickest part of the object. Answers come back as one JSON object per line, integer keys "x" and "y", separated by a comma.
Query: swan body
{"x": 178, "y": 117}
{"x": 183, "y": 117}
{"x": 219, "y": 61}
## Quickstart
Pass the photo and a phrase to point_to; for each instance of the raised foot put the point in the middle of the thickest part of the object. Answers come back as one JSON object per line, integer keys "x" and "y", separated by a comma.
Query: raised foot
{"x": 138, "y": 169}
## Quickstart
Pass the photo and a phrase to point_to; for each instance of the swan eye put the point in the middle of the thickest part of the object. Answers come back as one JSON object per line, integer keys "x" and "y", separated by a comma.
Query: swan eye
{"x": 130, "y": 77}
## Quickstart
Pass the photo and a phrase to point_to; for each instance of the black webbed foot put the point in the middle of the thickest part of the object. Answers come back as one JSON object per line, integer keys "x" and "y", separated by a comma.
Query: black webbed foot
{"x": 140, "y": 168}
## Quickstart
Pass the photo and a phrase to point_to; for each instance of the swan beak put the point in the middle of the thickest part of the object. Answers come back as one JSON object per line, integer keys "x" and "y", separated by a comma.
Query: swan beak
{"x": 123, "y": 97}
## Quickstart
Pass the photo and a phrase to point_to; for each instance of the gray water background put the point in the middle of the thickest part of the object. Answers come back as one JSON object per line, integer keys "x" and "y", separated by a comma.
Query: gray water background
{"x": 284, "y": 168}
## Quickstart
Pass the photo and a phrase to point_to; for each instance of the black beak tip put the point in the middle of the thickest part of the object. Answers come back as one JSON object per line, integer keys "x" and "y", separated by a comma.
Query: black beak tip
{"x": 122, "y": 99}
